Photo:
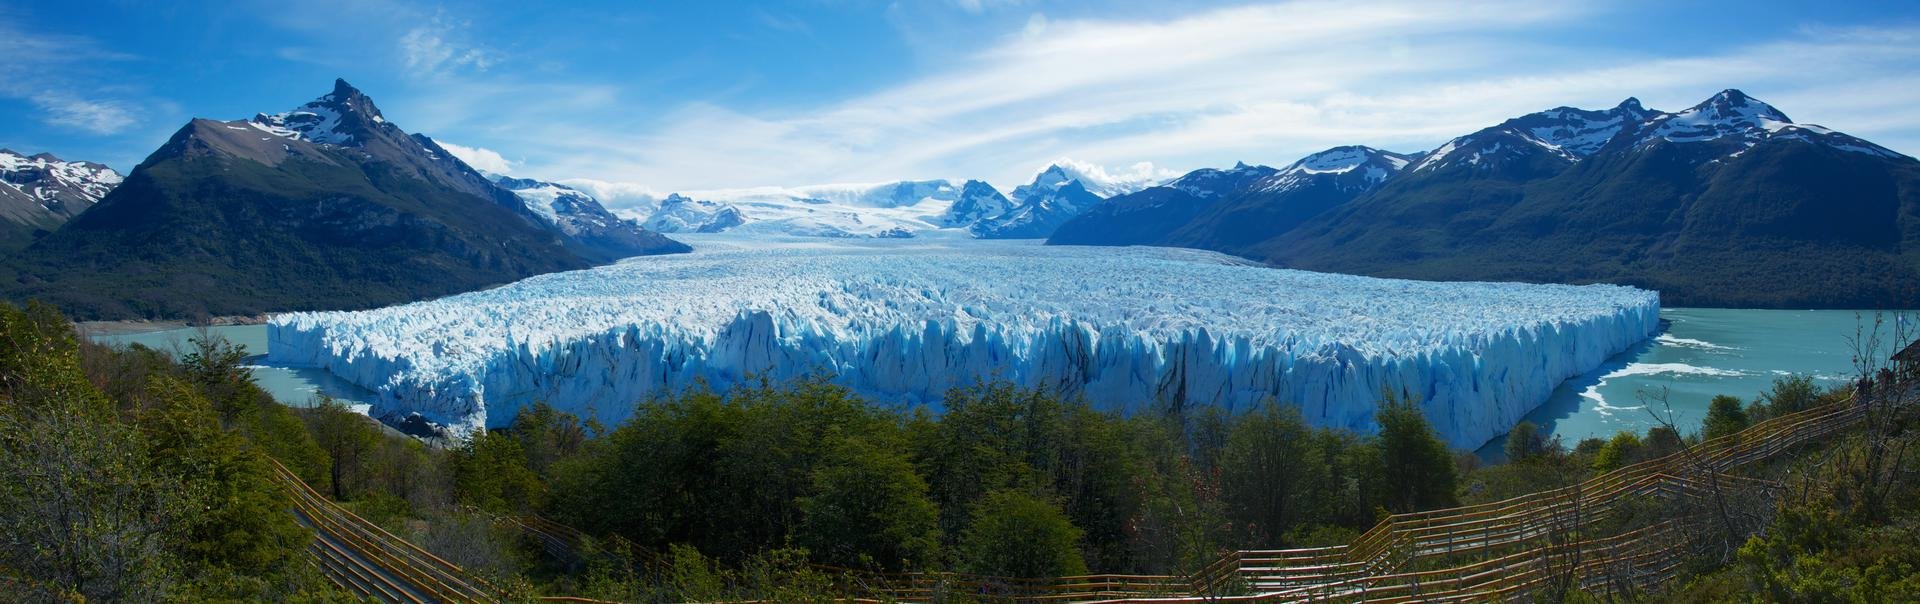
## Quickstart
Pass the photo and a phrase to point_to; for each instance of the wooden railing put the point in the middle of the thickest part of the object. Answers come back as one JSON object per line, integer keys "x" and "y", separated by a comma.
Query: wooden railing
{"x": 1510, "y": 548}
{"x": 368, "y": 561}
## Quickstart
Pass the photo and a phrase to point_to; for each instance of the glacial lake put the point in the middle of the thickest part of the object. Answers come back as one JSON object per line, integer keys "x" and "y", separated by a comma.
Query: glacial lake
{"x": 292, "y": 386}
{"x": 1702, "y": 352}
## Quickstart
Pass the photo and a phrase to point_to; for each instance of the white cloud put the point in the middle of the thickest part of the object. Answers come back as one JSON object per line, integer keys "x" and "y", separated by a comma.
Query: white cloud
{"x": 92, "y": 116}
{"x": 1263, "y": 84}
{"x": 618, "y": 195}
{"x": 480, "y": 158}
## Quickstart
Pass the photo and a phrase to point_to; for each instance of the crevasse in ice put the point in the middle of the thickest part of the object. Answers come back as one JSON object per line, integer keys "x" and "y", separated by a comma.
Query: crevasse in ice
{"x": 1132, "y": 329}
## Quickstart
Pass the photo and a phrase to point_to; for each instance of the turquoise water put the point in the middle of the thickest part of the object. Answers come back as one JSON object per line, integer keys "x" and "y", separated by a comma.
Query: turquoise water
{"x": 292, "y": 386}
{"x": 1704, "y": 352}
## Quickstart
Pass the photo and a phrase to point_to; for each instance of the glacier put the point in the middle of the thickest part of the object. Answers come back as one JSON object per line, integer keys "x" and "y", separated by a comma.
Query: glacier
{"x": 1132, "y": 329}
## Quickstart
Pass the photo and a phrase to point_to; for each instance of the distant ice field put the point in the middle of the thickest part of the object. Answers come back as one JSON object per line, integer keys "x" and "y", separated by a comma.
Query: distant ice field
{"x": 1135, "y": 329}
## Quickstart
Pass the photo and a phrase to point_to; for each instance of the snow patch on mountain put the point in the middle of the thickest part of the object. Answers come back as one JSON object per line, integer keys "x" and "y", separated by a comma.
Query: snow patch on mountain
{"x": 1208, "y": 183}
{"x": 52, "y": 182}
{"x": 1353, "y": 168}
{"x": 1095, "y": 178}
{"x": 1733, "y": 117}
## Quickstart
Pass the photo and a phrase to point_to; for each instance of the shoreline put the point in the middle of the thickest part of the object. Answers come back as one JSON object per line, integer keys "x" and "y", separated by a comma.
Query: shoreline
{"x": 132, "y": 326}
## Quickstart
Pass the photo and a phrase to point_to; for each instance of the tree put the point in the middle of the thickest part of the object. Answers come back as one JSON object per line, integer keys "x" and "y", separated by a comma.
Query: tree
{"x": 1789, "y": 394}
{"x": 1018, "y": 535}
{"x": 1724, "y": 416}
{"x": 490, "y": 472}
{"x": 82, "y": 514}
{"x": 1526, "y": 442}
{"x": 348, "y": 439}
{"x": 1413, "y": 470}
{"x": 868, "y": 508}
{"x": 1621, "y": 450}
{"x": 1272, "y": 475}
{"x": 238, "y": 522}
{"x": 549, "y": 435}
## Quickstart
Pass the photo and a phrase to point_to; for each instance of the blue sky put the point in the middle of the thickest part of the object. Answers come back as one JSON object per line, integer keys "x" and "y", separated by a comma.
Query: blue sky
{"x": 649, "y": 97}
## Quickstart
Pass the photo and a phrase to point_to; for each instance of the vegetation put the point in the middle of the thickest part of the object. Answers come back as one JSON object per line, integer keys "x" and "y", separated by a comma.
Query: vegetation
{"x": 130, "y": 475}
{"x": 123, "y": 482}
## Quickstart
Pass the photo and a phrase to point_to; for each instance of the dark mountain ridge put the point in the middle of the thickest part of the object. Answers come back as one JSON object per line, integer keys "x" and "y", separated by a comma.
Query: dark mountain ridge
{"x": 327, "y": 206}
{"x": 1727, "y": 203}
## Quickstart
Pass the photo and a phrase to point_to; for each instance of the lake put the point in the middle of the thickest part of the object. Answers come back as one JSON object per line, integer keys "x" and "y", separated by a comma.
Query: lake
{"x": 293, "y": 386}
{"x": 1702, "y": 352}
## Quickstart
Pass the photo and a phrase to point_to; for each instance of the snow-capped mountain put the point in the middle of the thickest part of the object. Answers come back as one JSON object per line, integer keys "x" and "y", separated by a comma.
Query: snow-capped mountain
{"x": 1055, "y": 196}
{"x": 1353, "y": 168}
{"x": 1208, "y": 183}
{"x": 578, "y": 215}
{"x": 1697, "y": 204}
{"x": 1536, "y": 142}
{"x": 978, "y": 200}
{"x": 1222, "y": 209}
{"x": 891, "y": 209}
{"x": 1732, "y": 122}
{"x": 1095, "y": 179}
{"x": 40, "y": 192}
{"x": 681, "y": 214}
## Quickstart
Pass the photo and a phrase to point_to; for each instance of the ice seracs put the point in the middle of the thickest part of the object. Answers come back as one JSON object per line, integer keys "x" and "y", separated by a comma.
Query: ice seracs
{"x": 1132, "y": 329}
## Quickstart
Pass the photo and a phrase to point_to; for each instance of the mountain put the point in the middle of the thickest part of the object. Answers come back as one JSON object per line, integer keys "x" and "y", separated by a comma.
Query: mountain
{"x": 1146, "y": 217}
{"x": 39, "y": 193}
{"x": 1727, "y": 203}
{"x": 1227, "y": 210}
{"x": 328, "y": 205}
{"x": 1095, "y": 179}
{"x": 580, "y": 217}
{"x": 892, "y": 209}
{"x": 1056, "y": 195}
{"x": 978, "y": 201}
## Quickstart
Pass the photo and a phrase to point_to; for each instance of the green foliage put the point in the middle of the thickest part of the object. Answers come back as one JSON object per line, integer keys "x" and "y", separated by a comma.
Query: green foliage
{"x": 1410, "y": 468}
{"x": 119, "y": 483}
{"x": 869, "y": 509}
{"x": 1018, "y": 535}
{"x": 1724, "y": 417}
{"x": 490, "y": 472}
{"x": 1526, "y": 442}
{"x": 1790, "y": 394}
{"x": 1623, "y": 449}
{"x": 348, "y": 439}
{"x": 83, "y": 515}
{"x": 236, "y": 515}
{"x": 1278, "y": 475}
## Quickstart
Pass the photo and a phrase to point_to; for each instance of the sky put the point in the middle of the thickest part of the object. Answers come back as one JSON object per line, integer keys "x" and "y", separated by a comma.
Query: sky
{"x": 633, "y": 100}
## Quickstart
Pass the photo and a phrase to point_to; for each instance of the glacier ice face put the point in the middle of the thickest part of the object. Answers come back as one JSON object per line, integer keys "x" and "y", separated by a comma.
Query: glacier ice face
{"x": 1132, "y": 329}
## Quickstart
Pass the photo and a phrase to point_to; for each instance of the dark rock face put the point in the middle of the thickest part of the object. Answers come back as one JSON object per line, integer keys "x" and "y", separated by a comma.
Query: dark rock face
{"x": 326, "y": 206}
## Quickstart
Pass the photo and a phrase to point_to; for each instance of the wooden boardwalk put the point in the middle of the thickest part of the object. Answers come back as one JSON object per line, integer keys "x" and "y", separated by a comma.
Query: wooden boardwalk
{"x": 1502, "y": 550}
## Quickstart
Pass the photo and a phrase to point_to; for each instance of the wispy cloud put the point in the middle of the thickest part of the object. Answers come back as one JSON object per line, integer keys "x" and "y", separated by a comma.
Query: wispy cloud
{"x": 94, "y": 116}
{"x": 436, "y": 48}
{"x": 48, "y": 71}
